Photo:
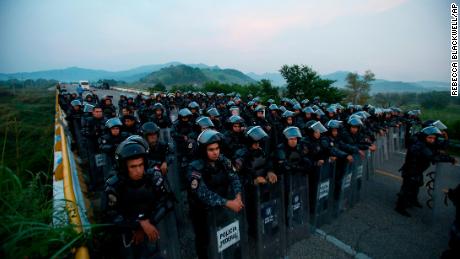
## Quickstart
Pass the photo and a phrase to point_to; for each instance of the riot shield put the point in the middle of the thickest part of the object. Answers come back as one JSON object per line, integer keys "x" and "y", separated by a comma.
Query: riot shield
{"x": 175, "y": 170}
{"x": 357, "y": 182}
{"x": 269, "y": 220}
{"x": 390, "y": 141}
{"x": 165, "y": 135}
{"x": 343, "y": 201}
{"x": 168, "y": 243}
{"x": 402, "y": 141}
{"x": 297, "y": 207}
{"x": 321, "y": 194}
{"x": 96, "y": 166}
{"x": 385, "y": 147}
{"x": 369, "y": 164}
{"x": 446, "y": 176}
{"x": 227, "y": 234}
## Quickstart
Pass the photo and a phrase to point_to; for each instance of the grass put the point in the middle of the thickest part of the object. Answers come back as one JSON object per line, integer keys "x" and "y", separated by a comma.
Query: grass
{"x": 26, "y": 204}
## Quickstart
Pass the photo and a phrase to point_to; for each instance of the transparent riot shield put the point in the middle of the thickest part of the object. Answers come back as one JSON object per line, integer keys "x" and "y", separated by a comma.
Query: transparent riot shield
{"x": 379, "y": 155}
{"x": 270, "y": 222}
{"x": 227, "y": 234}
{"x": 357, "y": 182}
{"x": 446, "y": 176}
{"x": 165, "y": 135}
{"x": 343, "y": 202}
{"x": 369, "y": 164}
{"x": 297, "y": 207}
{"x": 107, "y": 164}
{"x": 321, "y": 194}
{"x": 168, "y": 243}
{"x": 402, "y": 141}
{"x": 390, "y": 141}
{"x": 395, "y": 138}
{"x": 385, "y": 147}
{"x": 176, "y": 181}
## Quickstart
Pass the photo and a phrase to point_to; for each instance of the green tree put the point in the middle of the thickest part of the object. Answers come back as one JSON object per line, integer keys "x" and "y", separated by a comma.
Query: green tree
{"x": 304, "y": 82}
{"x": 358, "y": 89}
{"x": 266, "y": 89}
{"x": 158, "y": 87}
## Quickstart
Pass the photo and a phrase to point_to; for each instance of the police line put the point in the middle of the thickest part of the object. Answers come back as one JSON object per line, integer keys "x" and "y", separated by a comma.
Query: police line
{"x": 229, "y": 235}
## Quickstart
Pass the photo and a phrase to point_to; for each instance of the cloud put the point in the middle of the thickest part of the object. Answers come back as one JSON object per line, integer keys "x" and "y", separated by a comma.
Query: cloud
{"x": 253, "y": 27}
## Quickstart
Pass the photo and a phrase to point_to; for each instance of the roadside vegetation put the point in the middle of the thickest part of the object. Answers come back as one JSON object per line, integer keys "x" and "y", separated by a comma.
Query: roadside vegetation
{"x": 26, "y": 167}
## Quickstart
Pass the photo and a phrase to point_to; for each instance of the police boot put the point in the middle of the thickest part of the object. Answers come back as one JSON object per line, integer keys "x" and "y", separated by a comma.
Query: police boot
{"x": 402, "y": 211}
{"x": 401, "y": 206}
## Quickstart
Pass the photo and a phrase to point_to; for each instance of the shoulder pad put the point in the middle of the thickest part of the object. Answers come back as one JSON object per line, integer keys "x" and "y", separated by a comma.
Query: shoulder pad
{"x": 241, "y": 152}
{"x": 197, "y": 165}
{"x": 113, "y": 181}
{"x": 225, "y": 161}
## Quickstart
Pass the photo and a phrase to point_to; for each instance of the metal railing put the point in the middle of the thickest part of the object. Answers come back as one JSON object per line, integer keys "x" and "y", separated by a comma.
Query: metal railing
{"x": 66, "y": 187}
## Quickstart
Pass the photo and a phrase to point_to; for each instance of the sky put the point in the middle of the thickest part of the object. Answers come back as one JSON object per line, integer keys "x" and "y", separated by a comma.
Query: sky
{"x": 407, "y": 40}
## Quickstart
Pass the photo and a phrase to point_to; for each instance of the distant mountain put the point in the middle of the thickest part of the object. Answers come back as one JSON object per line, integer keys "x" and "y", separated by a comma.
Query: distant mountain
{"x": 276, "y": 78}
{"x": 183, "y": 74}
{"x": 207, "y": 73}
{"x": 77, "y": 73}
{"x": 382, "y": 86}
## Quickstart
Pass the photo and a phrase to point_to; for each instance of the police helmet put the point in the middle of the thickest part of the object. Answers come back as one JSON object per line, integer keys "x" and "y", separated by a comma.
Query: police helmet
{"x": 438, "y": 124}
{"x": 193, "y": 105}
{"x": 184, "y": 112}
{"x": 234, "y": 119}
{"x": 331, "y": 110}
{"x": 132, "y": 147}
{"x": 317, "y": 126}
{"x": 113, "y": 122}
{"x": 230, "y": 103}
{"x": 431, "y": 130}
{"x": 157, "y": 106}
{"x": 88, "y": 107}
{"x": 204, "y": 122}
{"x": 287, "y": 114}
{"x": 319, "y": 112}
{"x": 334, "y": 124}
{"x": 149, "y": 128}
{"x": 213, "y": 112}
{"x": 355, "y": 122}
{"x": 259, "y": 108}
{"x": 75, "y": 103}
{"x": 208, "y": 137}
{"x": 273, "y": 107}
{"x": 308, "y": 110}
{"x": 255, "y": 133}
{"x": 292, "y": 132}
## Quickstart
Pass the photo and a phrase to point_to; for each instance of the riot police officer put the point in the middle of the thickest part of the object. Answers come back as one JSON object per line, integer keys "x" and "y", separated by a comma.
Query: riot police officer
{"x": 157, "y": 149}
{"x": 130, "y": 124}
{"x": 93, "y": 128}
{"x": 234, "y": 136}
{"x": 109, "y": 142}
{"x": 418, "y": 158}
{"x": 254, "y": 166}
{"x": 136, "y": 200}
{"x": 212, "y": 183}
{"x": 159, "y": 116}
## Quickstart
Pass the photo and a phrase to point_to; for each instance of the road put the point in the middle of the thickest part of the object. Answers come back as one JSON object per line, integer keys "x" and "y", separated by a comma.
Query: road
{"x": 372, "y": 228}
